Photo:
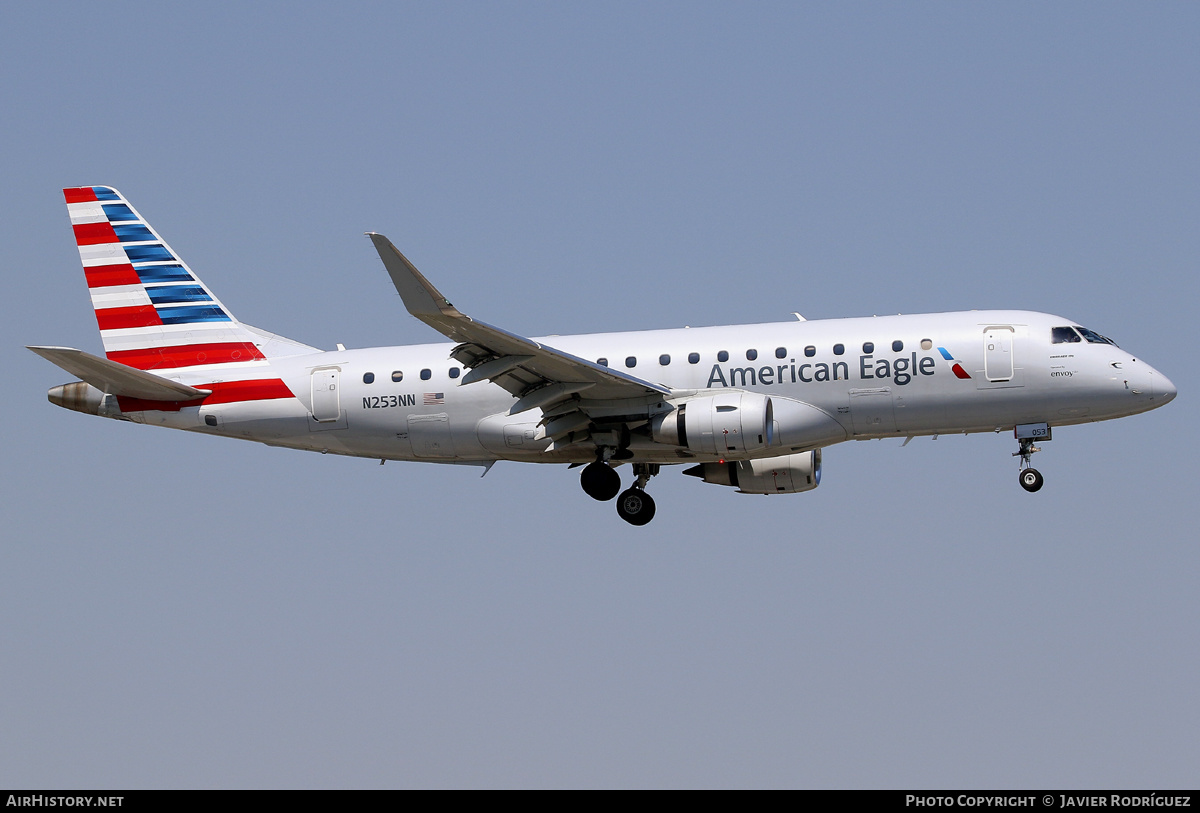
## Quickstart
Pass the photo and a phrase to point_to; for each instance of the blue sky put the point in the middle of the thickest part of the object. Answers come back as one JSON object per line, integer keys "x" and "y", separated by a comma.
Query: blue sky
{"x": 182, "y": 611}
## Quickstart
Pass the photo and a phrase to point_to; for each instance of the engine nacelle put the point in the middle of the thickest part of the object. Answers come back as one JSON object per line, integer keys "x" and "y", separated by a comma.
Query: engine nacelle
{"x": 789, "y": 474}
{"x": 732, "y": 424}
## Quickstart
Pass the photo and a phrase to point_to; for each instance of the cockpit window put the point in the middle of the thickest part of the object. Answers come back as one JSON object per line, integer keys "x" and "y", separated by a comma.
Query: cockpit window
{"x": 1061, "y": 335}
{"x": 1093, "y": 337}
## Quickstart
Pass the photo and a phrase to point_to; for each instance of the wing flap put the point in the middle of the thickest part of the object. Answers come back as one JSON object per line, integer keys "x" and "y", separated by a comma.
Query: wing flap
{"x": 495, "y": 368}
{"x": 549, "y": 394}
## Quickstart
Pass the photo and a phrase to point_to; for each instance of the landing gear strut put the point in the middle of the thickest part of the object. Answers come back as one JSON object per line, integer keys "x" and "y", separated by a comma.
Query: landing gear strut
{"x": 1030, "y": 478}
{"x": 634, "y": 505}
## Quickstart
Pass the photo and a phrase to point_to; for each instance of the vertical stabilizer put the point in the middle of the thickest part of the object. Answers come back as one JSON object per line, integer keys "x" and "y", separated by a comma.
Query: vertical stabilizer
{"x": 153, "y": 312}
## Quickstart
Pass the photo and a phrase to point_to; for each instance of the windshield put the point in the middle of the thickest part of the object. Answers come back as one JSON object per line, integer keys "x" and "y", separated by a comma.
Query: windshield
{"x": 1094, "y": 337}
{"x": 1062, "y": 335}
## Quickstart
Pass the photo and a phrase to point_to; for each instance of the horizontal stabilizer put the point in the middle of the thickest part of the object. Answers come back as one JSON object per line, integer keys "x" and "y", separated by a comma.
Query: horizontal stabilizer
{"x": 118, "y": 379}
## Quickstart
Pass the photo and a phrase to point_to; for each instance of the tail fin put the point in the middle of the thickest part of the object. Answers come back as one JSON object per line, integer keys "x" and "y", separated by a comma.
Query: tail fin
{"x": 153, "y": 312}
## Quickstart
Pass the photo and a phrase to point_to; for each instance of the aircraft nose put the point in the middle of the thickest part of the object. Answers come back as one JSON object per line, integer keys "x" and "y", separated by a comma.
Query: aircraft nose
{"x": 1163, "y": 390}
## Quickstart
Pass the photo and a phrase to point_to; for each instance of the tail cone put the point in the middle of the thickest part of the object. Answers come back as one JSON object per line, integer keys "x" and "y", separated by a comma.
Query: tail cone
{"x": 78, "y": 396}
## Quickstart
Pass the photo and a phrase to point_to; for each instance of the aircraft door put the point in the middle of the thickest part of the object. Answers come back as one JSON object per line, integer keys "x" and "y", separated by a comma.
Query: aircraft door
{"x": 430, "y": 435}
{"x": 326, "y": 400}
{"x": 997, "y": 353}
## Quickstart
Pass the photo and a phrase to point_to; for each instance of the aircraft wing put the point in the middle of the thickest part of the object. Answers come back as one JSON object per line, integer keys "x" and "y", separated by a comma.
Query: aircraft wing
{"x": 538, "y": 375}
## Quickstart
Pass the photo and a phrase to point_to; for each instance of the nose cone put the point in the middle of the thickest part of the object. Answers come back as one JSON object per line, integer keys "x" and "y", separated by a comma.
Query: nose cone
{"x": 1164, "y": 390}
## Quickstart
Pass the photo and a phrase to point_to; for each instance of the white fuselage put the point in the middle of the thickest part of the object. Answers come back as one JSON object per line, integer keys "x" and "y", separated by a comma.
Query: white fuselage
{"x": 869, "y": 377}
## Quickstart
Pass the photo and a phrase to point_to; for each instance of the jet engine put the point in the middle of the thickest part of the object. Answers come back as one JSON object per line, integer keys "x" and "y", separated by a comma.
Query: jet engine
{"x": 731, "y": 424}
{"x": 789, "y": 474}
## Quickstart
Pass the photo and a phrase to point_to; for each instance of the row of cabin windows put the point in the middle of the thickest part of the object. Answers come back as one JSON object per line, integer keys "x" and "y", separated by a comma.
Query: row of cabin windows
{"x": 398, "y": 375}
{"x": 693, "y": 358}
{"x": 780, "y": 353}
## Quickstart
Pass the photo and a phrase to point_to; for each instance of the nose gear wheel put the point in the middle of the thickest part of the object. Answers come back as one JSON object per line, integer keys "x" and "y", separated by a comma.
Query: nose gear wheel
{"x": 1030, "y": 478}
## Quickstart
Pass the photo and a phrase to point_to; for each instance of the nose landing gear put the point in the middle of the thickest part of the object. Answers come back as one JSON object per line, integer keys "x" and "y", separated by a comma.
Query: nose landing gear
{"x": 1030, "y": 478}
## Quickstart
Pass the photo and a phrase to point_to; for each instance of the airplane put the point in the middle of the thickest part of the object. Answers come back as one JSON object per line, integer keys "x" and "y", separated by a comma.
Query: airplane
{"x": 744, "y": 406}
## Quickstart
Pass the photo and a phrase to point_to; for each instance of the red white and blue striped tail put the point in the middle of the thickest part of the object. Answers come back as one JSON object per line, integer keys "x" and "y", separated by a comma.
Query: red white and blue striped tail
{"x": 153, "y": 312}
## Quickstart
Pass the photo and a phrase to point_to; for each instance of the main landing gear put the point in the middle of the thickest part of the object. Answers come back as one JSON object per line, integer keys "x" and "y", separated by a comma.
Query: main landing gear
{"x": 1030, "y": 478}
{"x": 634, "y": 505}
{"x": 600, "y": 481}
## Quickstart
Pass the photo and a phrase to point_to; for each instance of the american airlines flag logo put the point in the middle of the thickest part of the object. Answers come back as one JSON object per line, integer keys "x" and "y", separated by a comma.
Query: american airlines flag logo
{"x": 435, "y": 398}
{"x": 153, "y": 313}
{"x": 955, "y": 367}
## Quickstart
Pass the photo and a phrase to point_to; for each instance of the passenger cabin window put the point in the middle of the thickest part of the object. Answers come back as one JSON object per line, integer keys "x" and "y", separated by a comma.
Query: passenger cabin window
{"x": 723, "y": 355}
{"x": 1093, "y": 337}
{"x": 631, "y": 361}
{"x": 426, "y": 374}
{"x": 1063, "y": 335}
{"x": 397, "y": 376}
{"x": 751, "y": 355}
{"x": 868, "y": 347}
{"x": 664, "y": 359}
{"x": 780, "y": 352}
{"x": 810, "y": 351}
{"x": 926, "y": 344}
{"x": 454, "y": 371}
{"x": 603, "y": 362}
{"x": 368, "y": 378}
{"x": 839, "y": 349}
{"x": 693, "y": 358}
{"x": 897, "y": 346}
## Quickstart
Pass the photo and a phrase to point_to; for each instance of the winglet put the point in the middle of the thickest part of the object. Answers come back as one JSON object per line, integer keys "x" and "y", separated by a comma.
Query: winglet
{"x": 527, "y": 369}
{"x": 418, "y": 293}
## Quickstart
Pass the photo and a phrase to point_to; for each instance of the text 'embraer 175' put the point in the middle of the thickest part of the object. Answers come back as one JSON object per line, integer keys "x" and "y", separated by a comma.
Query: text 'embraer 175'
{"x": 747, "y": 406}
